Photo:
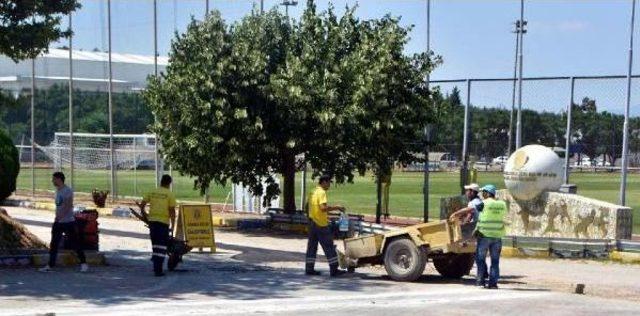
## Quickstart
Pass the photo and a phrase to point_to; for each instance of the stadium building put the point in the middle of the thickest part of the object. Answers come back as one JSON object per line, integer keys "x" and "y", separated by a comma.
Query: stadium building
{"x": 90, "y": 71}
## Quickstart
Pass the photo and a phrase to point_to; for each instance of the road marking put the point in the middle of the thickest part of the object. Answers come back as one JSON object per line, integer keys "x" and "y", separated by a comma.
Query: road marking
{"x": 298, "y": 304}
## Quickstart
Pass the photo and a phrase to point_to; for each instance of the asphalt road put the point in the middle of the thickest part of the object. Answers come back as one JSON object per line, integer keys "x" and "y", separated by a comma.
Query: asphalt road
{"x": 263, "y": 274}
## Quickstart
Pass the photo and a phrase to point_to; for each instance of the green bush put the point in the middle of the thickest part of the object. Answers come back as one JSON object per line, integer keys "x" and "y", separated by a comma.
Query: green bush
{"x": 9, "y": 166}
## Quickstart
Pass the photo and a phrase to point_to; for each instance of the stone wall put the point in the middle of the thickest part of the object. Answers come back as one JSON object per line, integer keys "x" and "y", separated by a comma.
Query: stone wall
{"x": 559, "y": 215}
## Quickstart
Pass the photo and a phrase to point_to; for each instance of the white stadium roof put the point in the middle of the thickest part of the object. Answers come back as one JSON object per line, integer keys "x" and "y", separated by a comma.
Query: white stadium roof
{"x": 104, "y": 57}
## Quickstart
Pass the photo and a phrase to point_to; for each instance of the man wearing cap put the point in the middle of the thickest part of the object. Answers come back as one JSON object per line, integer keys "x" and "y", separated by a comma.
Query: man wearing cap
{"x": 490, "y": 230}
{"x": 319, "y": 231}
{"x": 469, "y": 215}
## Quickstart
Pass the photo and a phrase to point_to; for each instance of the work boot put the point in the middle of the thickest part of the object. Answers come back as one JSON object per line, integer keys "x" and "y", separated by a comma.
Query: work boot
{"x": 335, "y": 271}
{"x": 312, "y": 272}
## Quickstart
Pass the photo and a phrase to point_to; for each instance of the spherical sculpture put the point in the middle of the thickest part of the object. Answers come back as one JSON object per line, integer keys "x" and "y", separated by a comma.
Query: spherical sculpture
{"x": 532, "y": 170}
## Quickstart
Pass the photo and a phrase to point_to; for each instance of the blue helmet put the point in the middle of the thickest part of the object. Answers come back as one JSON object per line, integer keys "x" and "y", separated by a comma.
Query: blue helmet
{"x": 489, "y": 188}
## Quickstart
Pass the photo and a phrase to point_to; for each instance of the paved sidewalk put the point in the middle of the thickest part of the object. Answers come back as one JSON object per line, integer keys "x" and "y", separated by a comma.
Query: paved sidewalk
{"x": 263, "y": 273}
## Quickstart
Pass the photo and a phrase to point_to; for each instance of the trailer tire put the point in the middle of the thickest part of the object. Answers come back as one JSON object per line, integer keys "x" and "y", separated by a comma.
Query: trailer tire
{"x": 404, "y": 261}
{"x": 454, "y": 266}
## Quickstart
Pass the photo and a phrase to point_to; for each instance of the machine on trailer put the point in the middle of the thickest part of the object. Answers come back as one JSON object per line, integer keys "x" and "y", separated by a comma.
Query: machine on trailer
{"x": 404, "y": 252}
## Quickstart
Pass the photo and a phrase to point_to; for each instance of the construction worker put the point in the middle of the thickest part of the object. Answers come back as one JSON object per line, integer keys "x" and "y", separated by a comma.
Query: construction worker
{"x": 468, "y": 216}
{"x": 319, "y": 231}
{"x": 489, "y": 231}
{"x": 64, "y": 223}
{"x": 162, "y": 218}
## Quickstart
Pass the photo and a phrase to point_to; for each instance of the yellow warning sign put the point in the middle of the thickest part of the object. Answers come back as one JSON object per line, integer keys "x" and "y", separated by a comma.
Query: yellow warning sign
{"x": 197, "y": 226}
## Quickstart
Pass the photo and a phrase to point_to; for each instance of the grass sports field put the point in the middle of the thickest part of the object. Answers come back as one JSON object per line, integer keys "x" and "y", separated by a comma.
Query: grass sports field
{"x": 359, "y": 197}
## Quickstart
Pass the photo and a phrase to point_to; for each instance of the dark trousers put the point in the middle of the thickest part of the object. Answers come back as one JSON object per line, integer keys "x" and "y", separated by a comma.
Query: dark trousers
{"x": 71, "y": 230}
{"x": 323, "y": 236}
{"x": 159, "y": 233}
{"x": 494, "y": 247}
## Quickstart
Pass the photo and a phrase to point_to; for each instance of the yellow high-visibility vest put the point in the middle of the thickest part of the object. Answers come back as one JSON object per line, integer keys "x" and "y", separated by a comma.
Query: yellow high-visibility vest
{"x": 491, "y": 220}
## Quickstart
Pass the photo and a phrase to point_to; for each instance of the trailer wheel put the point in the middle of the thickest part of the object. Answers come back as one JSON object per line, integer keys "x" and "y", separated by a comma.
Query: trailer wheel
{"x": 404, "y": 261}
{"x": 454, "y": 266}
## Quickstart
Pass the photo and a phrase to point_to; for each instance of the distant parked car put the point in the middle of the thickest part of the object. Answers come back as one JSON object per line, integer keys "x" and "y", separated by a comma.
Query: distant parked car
{"x": 500, "y": 160}
{"x": 147, "y": 164}
{"x": 602, "y": 163}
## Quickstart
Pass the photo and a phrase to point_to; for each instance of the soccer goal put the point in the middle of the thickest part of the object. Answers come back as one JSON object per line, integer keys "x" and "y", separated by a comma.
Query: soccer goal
{"x": 93, "y": 151}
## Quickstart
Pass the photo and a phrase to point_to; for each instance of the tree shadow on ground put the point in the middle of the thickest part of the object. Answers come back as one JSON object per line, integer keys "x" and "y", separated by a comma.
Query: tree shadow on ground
{"x": 129, "y": 278}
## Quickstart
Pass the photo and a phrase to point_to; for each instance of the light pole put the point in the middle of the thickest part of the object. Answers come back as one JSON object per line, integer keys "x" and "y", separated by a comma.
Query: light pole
{"x": 625, "y": 136}
{"x": 521, "y": 30}
{"x": 515, "y": 79}
{"x": 287, "y": 3}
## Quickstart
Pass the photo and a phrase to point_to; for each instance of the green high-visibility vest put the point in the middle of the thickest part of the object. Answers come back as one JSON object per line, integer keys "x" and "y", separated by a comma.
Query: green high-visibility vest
{"x": 491, "y": 220}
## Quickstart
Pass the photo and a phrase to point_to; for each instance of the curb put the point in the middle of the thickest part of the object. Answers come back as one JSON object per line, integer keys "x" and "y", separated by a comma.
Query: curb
{"x": 67, "y": 258}
{"x": 625, "y": 257}
{"x": 511, "y": 252}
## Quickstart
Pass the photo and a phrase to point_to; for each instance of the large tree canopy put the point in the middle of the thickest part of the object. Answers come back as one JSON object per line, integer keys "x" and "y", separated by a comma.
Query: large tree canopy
{"x": 240, "y": 102}
{"x": 28, "y": 27}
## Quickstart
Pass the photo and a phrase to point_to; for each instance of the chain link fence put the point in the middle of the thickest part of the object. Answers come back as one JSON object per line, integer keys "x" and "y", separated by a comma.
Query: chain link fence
{"x": 596, "y": 123}
{"x": 595, "y": 140}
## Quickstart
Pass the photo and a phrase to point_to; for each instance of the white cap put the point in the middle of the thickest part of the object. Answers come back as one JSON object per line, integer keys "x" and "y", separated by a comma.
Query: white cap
{"x": 472, "y": 186}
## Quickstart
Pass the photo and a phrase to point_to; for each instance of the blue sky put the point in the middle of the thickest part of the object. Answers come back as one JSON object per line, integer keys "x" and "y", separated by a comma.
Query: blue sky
{"x": 474, "y": 38}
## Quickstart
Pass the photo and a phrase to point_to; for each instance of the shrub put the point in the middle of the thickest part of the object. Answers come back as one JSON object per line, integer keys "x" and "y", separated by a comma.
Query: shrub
{"x": 9, "y": 166}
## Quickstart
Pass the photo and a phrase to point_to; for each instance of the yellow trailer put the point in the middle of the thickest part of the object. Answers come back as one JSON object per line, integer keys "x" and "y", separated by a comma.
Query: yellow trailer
{"x": 405, "y": 252}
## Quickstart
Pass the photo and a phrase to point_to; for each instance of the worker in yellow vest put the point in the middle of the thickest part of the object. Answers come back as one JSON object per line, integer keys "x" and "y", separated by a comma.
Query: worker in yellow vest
{"x": 162, "y": 220}
{"x": 489, "y": 231}
{"x": 319, "y": 231}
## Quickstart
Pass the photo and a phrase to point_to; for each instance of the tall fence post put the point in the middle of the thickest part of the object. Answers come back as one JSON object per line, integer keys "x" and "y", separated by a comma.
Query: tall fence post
{"x": 33, "y": 127}
{"x": 465, "y": 140}
{"x": 567, "y": 148}
{"x": 625, "y": 136}
{"x": 155, "y": 73}
{"x": 425, "y": 184}
{"x": 110, "y": 92}
{"x": 71, "y": 144}
{"x": 303, "y": 183}
{"x": 135, "y": 167}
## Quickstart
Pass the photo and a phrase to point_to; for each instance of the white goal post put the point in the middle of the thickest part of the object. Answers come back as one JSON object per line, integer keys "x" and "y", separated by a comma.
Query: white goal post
{"x": 92, "y": 151}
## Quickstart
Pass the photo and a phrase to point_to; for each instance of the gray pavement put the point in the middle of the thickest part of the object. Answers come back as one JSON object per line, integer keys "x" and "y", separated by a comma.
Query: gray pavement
{"x": 262, "y": 273}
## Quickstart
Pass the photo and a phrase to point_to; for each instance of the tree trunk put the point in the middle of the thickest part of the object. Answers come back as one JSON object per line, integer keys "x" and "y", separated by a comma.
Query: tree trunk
{"x": 289, "y": 175}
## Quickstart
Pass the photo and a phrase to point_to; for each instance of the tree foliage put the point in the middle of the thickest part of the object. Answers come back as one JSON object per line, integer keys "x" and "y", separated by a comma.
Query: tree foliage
{"x": 131, "y": 115}
{"x": 594, "y": 133}
{"x": 9, "y": 166}
{"x": 28, "y": 27}
{"x": 240, "y": 102}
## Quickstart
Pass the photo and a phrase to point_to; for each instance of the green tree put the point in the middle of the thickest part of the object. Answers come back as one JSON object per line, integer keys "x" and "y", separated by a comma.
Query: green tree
{"x": 131, "y": 115}
{"x": 239, "y": 103}
{"x": 28, "y": 27}
{"x": 9, "y": 166}
{"x": 587, "y": 127}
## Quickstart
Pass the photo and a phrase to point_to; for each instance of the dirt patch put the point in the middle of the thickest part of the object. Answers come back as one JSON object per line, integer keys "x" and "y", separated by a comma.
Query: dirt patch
{"x": 15, "y": 237}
